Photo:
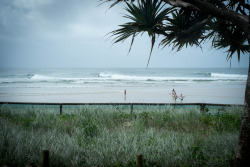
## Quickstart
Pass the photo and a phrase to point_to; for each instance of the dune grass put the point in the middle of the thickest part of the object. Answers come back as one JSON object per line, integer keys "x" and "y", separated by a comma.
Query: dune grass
{"x": 112, "y": 136}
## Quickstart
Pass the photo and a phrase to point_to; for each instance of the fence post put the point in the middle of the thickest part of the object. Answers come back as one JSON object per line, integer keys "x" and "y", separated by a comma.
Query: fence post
{"x": 45, "y": 158}
{"x": 60, "y": 109}
{"x": 139, "y": 162}
{"x": 131, "y": 108}
{"x": 202, "y": 107}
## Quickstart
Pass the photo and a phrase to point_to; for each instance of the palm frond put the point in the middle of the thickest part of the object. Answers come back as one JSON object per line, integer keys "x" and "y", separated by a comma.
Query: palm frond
{"x": 183, "y": 30}
{"x": 152, "y": 46}
{"x": 147, "y": 16}
{"x": 229, "y": 36}
{"x": 114, "y": 2}
{"x": 133, "y": 37}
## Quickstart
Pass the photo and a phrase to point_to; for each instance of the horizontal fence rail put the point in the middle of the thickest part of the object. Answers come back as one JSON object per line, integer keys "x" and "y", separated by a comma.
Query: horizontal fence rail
{"x": 153, "y": 104}
{"x": 202, "y": 105}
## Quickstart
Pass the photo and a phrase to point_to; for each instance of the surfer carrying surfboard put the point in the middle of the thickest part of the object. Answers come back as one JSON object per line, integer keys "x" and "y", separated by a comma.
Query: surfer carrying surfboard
{"x": 173, "y": 93}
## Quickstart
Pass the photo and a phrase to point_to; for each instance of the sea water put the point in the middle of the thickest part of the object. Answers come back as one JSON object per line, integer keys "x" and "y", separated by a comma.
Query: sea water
{"x": 215, "y": 85}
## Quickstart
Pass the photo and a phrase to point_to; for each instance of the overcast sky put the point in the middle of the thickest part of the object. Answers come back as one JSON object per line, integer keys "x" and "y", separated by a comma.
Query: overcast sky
{"x": 71, "y": 34}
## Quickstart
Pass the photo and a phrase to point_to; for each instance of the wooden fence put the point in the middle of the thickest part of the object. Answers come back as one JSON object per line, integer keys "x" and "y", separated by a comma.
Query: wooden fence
{"x": 202, "y": 105}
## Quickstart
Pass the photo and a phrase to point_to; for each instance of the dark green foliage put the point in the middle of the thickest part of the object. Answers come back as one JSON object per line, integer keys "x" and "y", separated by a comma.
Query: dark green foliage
{"x": 239, "y": 5}
{"x": 222, "y": 121}
{"x": 23, "y": 120}
{"x": 186, "y": 27}
{"x": 184, "y": 33}
{"x": 148, "y": 16}
{"x": 227, "y": 35}
{"x": 89, "y": 127}
{"x": 67, "y": 117}
{"x": 197, "y": 153}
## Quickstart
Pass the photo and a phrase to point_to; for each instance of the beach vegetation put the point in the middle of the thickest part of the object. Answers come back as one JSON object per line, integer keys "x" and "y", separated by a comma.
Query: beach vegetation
{"x": 106, "y": 136}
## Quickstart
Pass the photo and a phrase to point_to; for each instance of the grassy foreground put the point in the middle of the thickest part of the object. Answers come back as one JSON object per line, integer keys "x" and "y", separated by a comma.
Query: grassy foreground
{"x": 111, "y": 136}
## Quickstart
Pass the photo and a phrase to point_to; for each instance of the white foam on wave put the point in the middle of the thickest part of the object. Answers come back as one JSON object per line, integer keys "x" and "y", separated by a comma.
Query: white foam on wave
{"x": 209, "y": 77}
{"x": 66, "y": 80}
{"x": 131, "y": 77}
{"x": 222, "y": 75}
{"x": 38, "y": 77}
{"x": 103, "y": 74}
{"x": 42, "y": 77}
{"x": 115, "y": 76}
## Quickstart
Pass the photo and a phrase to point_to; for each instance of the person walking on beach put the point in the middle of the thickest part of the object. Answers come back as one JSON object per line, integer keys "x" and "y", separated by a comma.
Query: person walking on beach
{"x": 125, "y": 93}
{"x": 181, "y": 97}
{"x": 173, "y": 93}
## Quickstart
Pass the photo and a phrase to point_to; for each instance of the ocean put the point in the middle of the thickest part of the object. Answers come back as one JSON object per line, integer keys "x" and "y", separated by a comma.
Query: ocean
{"x": 214, "y": 85}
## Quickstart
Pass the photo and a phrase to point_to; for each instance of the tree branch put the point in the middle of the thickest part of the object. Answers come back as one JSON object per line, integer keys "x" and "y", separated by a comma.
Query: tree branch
{"x": 226, "y": 14}
{"x": 206, "y": 7}
{"x": 197, "y": 25}
{"x": 180, "y": 3}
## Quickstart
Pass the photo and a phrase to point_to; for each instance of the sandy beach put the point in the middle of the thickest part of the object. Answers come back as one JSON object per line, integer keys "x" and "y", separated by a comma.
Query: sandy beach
{"x": 202, "y": 93}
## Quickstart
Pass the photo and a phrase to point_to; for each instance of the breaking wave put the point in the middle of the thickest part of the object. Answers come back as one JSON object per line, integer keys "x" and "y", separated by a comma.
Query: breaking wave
{"x": 116, "y": 78}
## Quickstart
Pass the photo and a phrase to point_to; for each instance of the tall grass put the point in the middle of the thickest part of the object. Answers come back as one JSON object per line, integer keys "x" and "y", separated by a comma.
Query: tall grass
{"x": 111, "y": 136}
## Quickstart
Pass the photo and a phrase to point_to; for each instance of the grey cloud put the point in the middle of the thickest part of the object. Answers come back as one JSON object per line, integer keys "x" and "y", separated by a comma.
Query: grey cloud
{"x": 71, "y": 33}
{"x": 53, "y": 18}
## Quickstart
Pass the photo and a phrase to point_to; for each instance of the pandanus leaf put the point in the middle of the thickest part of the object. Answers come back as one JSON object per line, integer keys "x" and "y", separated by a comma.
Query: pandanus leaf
{"x": 226, "y": 35}
{"x": 133, "y": 37}
{"x": 147, "y": 16}
{"x": 152, "y": 46}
